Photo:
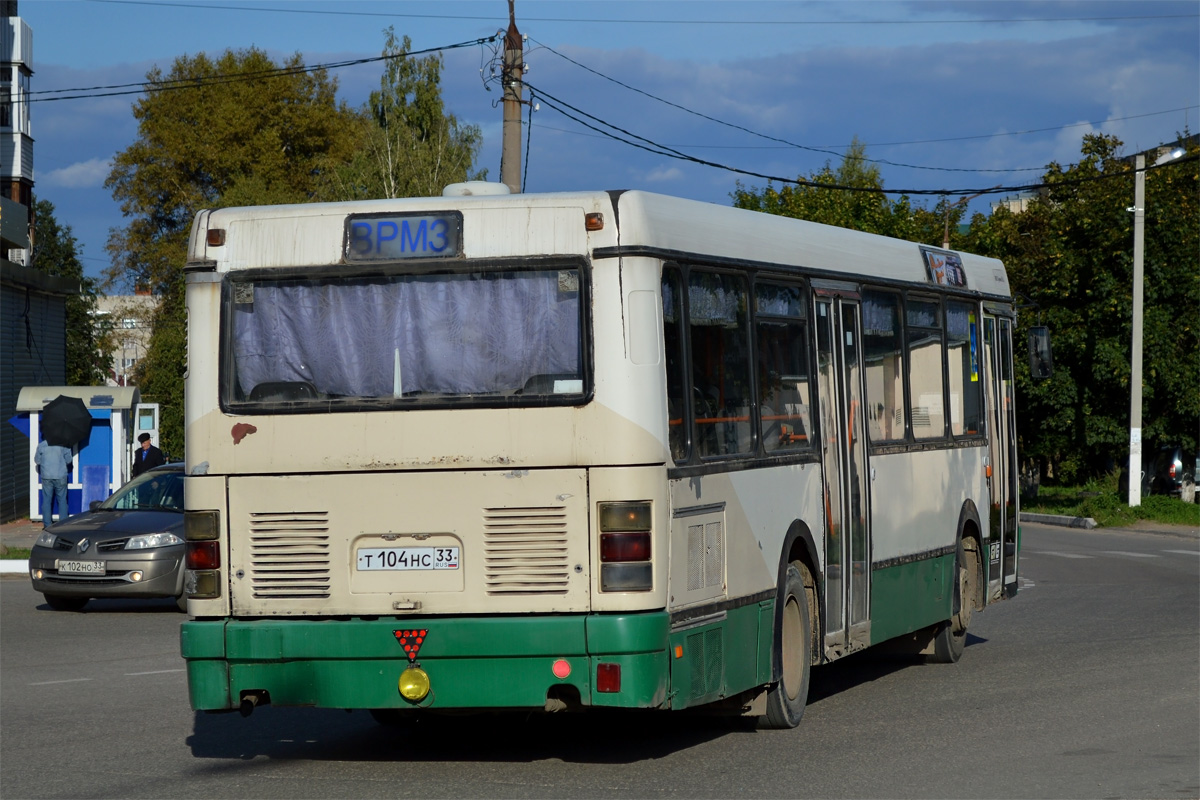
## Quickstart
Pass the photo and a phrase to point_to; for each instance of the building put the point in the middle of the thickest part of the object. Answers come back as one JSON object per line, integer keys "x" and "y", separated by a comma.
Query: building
{"x": 16, "y": 139}
{"x": 128, "y": 318}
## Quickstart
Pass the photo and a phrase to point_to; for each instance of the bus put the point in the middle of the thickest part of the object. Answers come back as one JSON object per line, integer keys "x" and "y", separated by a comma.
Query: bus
{"x": 582, "y": 450}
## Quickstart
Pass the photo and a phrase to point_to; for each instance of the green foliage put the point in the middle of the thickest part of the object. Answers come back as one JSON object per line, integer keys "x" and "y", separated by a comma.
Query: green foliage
{"x": 1109, "y": 507}
{"x": 234, "y": 142}
{"x": 406, "y": 143}
{"x": 1070, "y": 258}
{"x": 862, "y": 208}
{"x": 159, "y": 375}
{"x": 55, "y": 254}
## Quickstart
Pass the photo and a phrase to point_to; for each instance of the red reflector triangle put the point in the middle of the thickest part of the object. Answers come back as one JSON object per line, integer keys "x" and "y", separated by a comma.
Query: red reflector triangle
{"x": 411, "y": 641}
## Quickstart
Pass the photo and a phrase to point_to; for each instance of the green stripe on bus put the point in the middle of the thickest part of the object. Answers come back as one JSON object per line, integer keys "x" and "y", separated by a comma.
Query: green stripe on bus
{"x": 910, "y": 596}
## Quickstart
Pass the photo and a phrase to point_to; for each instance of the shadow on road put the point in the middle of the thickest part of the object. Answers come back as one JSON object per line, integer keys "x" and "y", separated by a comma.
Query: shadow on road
{"x": 597, "y": 737}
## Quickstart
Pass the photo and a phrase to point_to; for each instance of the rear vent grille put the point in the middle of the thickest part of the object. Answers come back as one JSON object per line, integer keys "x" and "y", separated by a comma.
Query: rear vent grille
{"x": 525, "y": 550}
{"x": 289, "y": 554}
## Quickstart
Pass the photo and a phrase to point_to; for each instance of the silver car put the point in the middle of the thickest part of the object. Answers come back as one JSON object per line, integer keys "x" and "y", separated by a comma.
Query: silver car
{"x": 130, "y": 545}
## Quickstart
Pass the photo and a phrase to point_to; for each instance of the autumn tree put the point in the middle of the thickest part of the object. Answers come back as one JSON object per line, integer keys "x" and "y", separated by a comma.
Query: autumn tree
{"x": 406, "y": 143}
{"x": 55, "y": 253}
{"x": 236, "y": 130}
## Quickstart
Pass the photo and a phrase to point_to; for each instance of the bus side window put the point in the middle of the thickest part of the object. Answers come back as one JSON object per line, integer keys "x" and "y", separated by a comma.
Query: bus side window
{"x": 719, "y": 334}
{"x": 884, "y": 362}
{"x": 781, "y": 338}
{"x": 672, "y": 299}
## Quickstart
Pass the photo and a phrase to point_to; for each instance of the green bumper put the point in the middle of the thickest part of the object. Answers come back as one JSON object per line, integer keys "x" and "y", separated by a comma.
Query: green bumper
{"x": 472, "y": 662}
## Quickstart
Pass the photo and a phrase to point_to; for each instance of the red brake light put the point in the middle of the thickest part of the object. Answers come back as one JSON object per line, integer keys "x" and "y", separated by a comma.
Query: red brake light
{"x": 203, "y": 555}
{"x": 625, "y": 546}
{"x": 608, "y": 678}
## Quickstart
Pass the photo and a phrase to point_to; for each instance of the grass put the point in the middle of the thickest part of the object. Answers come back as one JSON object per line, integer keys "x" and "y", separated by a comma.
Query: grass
{"x": 13, "y": 552}
{"x": 1102, "y": 501}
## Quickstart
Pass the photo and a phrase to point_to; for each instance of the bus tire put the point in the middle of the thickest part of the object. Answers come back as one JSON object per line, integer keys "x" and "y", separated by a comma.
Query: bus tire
{"x": 951, "y": 637}
{"x": 792, "y": 652}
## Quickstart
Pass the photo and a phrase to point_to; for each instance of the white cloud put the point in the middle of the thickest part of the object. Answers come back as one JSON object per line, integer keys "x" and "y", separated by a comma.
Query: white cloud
{"x": 80, "y": 175}
{"x": 661, "y": 174}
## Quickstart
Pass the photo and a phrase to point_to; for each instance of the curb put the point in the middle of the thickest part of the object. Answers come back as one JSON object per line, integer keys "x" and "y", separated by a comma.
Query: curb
{"x": 1052, "y": 519}
{"x": 14, "y": 566}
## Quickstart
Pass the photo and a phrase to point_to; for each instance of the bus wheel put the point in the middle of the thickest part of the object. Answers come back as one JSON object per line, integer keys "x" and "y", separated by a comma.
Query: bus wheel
{"x": 951, "y": 638}
{"x": 791, "y": 653}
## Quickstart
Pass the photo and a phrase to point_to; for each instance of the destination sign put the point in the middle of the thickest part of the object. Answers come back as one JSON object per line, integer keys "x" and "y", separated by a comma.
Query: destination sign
{"x": 401, "y": 237}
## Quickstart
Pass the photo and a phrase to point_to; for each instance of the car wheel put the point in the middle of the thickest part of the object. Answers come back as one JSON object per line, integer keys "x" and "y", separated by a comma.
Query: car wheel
{"x": 62, "y": 603}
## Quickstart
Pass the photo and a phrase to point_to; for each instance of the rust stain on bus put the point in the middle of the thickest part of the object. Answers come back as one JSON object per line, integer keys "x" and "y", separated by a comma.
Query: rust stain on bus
{"x": 241, "y": 431}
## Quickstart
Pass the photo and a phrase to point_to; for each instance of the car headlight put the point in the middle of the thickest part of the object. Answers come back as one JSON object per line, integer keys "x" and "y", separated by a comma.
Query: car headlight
{"x": 47, "y": 539}
{"x": 148, "y": 540}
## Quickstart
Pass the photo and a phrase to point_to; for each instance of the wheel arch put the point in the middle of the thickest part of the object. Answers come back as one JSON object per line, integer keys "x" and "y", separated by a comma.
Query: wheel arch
{"x": 970, "y": 530}
{"x": 799, "y": 545}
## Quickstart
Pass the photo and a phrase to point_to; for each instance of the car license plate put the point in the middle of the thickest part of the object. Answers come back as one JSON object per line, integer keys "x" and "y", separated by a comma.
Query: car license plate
{"x": 81, "y": 567}
{"x": 406, "y": 558}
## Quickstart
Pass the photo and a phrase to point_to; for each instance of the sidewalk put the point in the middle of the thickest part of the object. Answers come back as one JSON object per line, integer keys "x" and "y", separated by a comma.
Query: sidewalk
{"x": 23, "y": 533}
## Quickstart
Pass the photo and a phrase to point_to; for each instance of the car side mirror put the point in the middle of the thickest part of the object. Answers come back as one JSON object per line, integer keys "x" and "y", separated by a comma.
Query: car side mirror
{"x": 1041, "y": 360}
{"x": 92, "y": 506}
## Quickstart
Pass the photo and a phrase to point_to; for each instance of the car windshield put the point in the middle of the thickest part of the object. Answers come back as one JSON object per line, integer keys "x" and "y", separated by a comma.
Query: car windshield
{"x": 157, "y": 490}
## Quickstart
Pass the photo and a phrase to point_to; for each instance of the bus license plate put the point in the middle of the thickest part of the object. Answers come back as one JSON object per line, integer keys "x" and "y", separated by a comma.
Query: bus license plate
{"x": 81, "y": 567}
{"x": 405, "y": 558}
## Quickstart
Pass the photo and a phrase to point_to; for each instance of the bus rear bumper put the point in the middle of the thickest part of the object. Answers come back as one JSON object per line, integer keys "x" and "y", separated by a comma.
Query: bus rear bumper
{"x": 472, "y": 662}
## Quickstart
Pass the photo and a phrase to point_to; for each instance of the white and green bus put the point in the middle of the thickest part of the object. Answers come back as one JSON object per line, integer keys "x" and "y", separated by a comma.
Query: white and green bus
{"x": 578, "y": 450}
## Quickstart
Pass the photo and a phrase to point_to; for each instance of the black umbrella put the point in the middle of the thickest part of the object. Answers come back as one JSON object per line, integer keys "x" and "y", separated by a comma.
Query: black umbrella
{"x": 65, "y": 421}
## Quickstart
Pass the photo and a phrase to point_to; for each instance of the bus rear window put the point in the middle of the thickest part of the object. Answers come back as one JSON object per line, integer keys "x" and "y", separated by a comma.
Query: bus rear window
{"x": 389, "y": 341}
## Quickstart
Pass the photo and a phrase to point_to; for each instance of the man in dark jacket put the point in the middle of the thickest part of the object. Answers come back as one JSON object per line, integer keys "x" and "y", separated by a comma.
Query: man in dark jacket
{"x": 148, "y": 457}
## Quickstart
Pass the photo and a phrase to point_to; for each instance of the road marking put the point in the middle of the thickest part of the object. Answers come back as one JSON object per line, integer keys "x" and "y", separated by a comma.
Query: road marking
{"x": 1062, "y": 555}
{"x": 51, "y": 683}
{"x": 1184, "y": 552}
{"x": 155, "y": 672}
{"x": 1129, "y": 554}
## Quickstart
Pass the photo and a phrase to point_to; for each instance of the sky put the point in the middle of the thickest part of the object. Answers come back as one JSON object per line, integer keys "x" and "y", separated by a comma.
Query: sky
{"x": 945, "y": 95}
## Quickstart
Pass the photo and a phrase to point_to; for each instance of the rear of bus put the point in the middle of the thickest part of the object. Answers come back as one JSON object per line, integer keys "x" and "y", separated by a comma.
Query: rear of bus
{"x": 425, "y": 448}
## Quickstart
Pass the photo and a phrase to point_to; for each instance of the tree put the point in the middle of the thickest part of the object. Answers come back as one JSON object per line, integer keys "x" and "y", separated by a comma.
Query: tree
{"x": 407, "y": 145}
{"x": 88, "y": 357}
{"x": 1069, "y": 256}
{"x": 865, "y": 207}
{"x": 249, "y": 131}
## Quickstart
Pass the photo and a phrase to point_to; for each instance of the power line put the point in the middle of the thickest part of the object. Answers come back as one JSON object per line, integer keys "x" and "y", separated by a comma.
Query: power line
{"x": 651, "y": 146}
{"x": 472, "y": 17}
{"x": 192, "y": 83}
{"x": 766, "y": 136}
{"x": 827, "y": 149}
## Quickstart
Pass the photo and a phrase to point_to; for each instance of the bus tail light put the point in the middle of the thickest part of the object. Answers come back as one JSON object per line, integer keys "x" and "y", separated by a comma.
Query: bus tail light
{"x": 625, "y": 547}
{"x": 202, "y": 531}
{"x": 608, "y": 678}
{"x": 203, "y": 555}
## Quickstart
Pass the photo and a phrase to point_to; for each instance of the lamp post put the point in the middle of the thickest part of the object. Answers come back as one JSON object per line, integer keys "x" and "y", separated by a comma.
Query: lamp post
{"x": 1135, "y": 379}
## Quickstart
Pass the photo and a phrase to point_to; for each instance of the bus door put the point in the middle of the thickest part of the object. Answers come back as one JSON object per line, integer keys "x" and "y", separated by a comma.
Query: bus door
{"x": 1002, "y": 451}
{"x": 844, "y": 465}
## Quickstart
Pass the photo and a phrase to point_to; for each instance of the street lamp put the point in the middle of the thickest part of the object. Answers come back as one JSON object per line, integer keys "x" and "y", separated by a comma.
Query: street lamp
{"x": 1135, "y": 380}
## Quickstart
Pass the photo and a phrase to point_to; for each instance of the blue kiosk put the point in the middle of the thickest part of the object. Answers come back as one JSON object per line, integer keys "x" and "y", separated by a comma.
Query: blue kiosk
{"x": 103, "y": 459}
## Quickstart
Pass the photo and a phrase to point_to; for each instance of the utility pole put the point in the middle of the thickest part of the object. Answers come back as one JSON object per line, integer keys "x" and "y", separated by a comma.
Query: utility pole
{"x": 514, "y": 70}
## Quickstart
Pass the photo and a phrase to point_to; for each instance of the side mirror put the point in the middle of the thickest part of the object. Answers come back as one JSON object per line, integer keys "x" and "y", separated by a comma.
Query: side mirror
{"x": 92, "y": 506}
{"x": 1041, "y": 360}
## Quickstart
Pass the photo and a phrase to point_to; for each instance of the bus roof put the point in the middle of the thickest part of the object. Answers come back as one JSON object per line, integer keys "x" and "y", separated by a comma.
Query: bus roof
{"x": 653, "y": 224}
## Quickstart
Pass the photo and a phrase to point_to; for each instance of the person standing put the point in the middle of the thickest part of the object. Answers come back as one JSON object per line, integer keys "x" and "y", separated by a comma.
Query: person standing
{"x": 148, "y": 457}
{"x": 53, "y": 462}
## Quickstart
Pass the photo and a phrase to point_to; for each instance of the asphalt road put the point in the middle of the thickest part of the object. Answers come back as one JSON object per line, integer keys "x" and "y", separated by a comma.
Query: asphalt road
{"x": 1085, "y": 685}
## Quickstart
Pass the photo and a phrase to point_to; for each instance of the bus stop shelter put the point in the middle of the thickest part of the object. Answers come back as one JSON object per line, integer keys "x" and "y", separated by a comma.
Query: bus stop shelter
{"x": 102, "y": 459}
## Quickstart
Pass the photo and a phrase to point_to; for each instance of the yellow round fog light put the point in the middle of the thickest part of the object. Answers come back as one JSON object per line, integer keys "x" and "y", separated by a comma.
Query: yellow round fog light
{"x": 414, "y": 684}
